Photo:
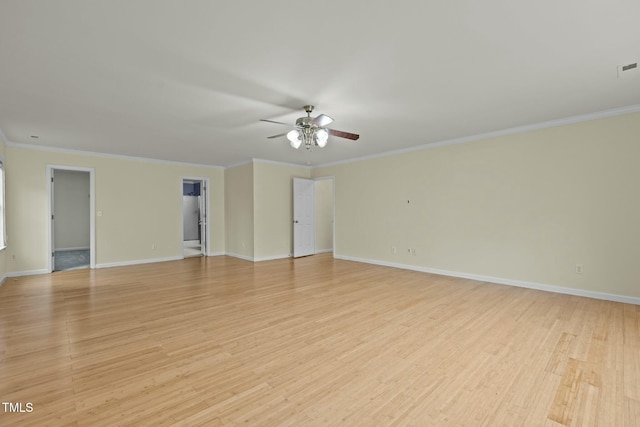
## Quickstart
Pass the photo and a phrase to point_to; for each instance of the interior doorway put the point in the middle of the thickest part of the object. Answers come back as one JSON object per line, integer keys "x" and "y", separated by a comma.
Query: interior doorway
{"x": 194, "y": 217}
{"x": 313, "y": 216}
{"x": 71, "y": 218}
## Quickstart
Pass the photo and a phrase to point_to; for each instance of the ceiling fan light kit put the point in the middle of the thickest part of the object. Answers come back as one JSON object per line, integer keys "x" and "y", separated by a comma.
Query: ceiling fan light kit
{"x": 294, "y": 138}
{"x": 311, "y": 131}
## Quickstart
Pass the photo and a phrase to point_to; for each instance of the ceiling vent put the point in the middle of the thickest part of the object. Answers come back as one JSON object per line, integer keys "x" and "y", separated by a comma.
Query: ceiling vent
{"x": 628, "y": 70}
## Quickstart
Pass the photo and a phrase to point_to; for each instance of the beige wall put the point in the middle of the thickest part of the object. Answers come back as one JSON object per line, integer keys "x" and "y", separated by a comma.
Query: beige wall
{"x": 324, "y": 215}
{"x": 525, "y": 207}
{"x": 3, "y": 253}
{"x": 3, "y": 266}
{"x": 140, "y": 203}
{"x": 273, "y": 208}
{"x": 238, "y": 195}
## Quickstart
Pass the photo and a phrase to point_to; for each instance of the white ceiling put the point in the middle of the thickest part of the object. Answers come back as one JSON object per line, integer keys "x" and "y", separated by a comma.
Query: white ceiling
{"x": 189, "y": 80}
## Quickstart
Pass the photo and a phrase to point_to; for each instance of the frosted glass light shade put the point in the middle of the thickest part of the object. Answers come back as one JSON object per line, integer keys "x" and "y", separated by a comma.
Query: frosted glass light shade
{"x": 321, "y": 137}
{"x": 294, "y": 138}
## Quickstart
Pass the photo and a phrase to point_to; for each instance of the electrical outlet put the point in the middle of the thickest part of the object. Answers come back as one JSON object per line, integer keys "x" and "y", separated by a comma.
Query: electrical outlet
{"x": 393, "y": 249}
{"x": 153, "y": 246}
{"x": 578, "y": 268}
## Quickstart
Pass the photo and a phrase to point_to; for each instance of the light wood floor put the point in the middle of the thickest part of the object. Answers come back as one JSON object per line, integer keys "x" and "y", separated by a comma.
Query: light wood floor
{"x": 315, "y": 341}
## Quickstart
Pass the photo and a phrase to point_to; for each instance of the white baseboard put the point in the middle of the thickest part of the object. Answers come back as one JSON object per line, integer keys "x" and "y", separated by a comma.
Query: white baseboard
{"x": 502, "y": 281}
{"x": 27, "y": 273}
{"x": 2, "y": 280}
{"x": 244, "y": 257}
{"x": 271, "y": 258}
{"x": 216, "y": 254}
{"x": 137, "y": 262}
{"x": 324, "y": 251}
{"x": 254, "y": 259}
{"x": 266, "y": 258}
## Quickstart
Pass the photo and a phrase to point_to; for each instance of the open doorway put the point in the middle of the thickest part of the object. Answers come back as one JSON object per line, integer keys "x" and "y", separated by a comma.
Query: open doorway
{"x": 194, "y": 217}
{"x": 72, "y": 236}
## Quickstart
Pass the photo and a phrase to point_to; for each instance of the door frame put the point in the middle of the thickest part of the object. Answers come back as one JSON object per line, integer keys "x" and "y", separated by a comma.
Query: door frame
{"x": 92, "y": 213}
{"x": 204, "y": 189}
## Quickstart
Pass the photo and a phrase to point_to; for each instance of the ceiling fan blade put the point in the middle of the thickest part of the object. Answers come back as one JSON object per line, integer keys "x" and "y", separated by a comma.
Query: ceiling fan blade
{"x": 342, "y": 134}
{"x": 273, "y": 121}
{"x": 277, "y": 136}
{"x": 322, "y": 120}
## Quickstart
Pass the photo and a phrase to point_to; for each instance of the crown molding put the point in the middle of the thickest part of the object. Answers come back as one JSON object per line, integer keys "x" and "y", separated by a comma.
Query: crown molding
{"x": 235, "y": 165}
{"x": 268, "y": 162}
{"x": 462, "y": 140}
{"x": 3, "y": 137}
{"x": 487, "y": 135}
{"x": 274, "y": 162}
{"x": 108, "y": 156}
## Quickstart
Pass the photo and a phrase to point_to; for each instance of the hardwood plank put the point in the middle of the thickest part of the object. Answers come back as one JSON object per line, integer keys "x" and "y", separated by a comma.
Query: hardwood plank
{"x": 311, "y": 341}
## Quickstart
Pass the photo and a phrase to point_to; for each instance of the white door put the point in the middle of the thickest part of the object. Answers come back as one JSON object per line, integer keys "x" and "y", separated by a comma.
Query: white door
{"x": 304, "y": 224}
{"x": 203, "y": 218}
{"x": 53, "y": 224}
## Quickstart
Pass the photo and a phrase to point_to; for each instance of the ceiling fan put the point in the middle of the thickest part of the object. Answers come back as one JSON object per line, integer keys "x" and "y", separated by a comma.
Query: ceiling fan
{"x": 311, "y": 131}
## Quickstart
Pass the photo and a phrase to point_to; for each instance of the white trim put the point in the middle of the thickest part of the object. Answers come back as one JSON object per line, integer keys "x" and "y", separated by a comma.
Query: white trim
{"x": 242, "y": 163}
{"x": 138, "y": 262}
{"x": 274, "y": 162}
{"x": 271, "y": 258}
{"x": 258, "y": 259}
{"x": 252, "y": 259}
{"x": 244, "y": 257}
{"x": 3, "y": 137}
{"x": 324, "y": 251}
{"x": 108, "y": 156}
{"x": 502, "y": 281}
{"x": 216, "y": 254}
{"x": 3, "y": 280}
{"x": 27, "y": 273}
{"x": 508, "y": 131}
{"x": 493, "y": 134}
{"x": 92, "y": 212}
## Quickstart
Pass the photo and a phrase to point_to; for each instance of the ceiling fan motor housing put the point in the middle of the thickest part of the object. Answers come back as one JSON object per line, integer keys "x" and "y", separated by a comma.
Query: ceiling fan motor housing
{"x": 305, "y": 122}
